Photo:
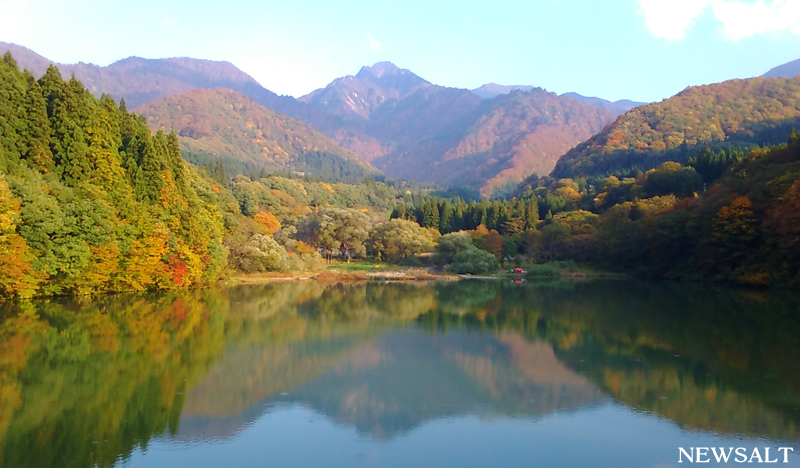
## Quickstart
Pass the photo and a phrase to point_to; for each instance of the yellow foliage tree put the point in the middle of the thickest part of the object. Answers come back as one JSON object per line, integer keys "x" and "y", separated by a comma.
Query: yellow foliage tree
{"x": 102, "y": 266}
{"x": 143, "y": 265}
{"x": 17, "y": 277}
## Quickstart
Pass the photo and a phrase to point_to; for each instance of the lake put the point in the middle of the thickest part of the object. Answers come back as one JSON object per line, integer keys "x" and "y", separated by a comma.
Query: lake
{"x": 466, "y": 374}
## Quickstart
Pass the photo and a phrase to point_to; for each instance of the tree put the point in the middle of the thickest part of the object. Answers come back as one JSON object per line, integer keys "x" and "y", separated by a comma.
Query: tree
{"x": 257, "y": 254}
{"x": 268, "y": 221}
{"x": 734, "y": 231}
{"x": 494, "y": 243}
{"x": 786, "y": 218}
{"x": 332, "y": 229}
{"x": 473, "y": 261}
{"x": 672, "y": 178}
{"x": 96, "y": 202}
{"x": 397, "y": 239}
{"x": 17, "y": 277}
{"x": 449, "y": 245}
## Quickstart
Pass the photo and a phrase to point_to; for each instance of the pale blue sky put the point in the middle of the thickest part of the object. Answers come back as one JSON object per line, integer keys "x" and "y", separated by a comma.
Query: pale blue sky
{"x": 635, "y": 49}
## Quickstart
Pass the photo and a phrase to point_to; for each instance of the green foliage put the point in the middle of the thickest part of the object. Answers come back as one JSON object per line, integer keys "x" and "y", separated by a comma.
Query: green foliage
{"x": 671, "y": 178}
{"x": 96, "y": 202}
{"x": 336, "y": 230}
{"x": 293, "y": 196}
{"x": 711, "y": 165}
{"x": 398, "y": 240}
{"x": 474, "y": 261}
{"x": 450, "y": 245}
{"x": 547, "y": 270}
{"x": 446, "y": 215}
{"x": 258, "y": 254}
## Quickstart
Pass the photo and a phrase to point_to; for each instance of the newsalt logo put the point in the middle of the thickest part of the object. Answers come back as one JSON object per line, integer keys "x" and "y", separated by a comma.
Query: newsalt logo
{"x": 733, "y": 455}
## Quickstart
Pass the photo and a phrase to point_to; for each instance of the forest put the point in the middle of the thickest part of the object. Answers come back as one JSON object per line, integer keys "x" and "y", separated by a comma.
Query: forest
{"x": 92, "y": 201}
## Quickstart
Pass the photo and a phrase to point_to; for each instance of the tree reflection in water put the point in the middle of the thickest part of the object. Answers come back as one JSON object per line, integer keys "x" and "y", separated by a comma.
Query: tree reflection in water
{"x": 84, "y": 383}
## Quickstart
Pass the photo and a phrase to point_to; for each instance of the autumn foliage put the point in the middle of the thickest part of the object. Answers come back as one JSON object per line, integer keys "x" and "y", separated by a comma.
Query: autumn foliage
{"x": 90, "y": 200}
{"x": 734, "y": 113}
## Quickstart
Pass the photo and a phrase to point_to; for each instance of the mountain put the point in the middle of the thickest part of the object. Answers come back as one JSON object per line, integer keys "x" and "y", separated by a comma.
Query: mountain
{"x": 140, "y": 80}
{"x": 618, "y": 107}
{"x": 729, "y": 114}
{"x": 787, "y": 70}
{"x": 490, "y": 90}
{"x": 348, "y": 105}
{"x": 500, "y": 142}
{"x": 451, "y": 136}
{"x": 26, "y": 58}
{"x": 384, "y": 114}
{"x": 356, "y": 97}
{"x": 224, "y": 123}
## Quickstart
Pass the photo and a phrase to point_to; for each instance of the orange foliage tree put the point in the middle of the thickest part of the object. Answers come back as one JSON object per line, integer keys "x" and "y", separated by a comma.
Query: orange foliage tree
{"x": 268, "y": 221}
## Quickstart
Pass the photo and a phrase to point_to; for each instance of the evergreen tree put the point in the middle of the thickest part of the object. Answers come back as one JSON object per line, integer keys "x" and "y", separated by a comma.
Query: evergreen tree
{"x": 38, "y": 130}
{"x": 446, "y": 217}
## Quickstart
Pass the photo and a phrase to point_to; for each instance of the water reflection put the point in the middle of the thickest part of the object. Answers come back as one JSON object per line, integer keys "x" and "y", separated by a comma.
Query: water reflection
{"x": 87, "y": 383}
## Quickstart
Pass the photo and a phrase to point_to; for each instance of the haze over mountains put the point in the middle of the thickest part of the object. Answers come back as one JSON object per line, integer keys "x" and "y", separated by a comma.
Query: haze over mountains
{"x": 489, "y": 138}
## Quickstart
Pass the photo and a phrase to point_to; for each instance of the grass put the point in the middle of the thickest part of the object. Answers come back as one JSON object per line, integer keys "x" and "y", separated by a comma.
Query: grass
{"x": 568, "y": 269}
{"x": 362, "y": 266}
{"x": 542, "y": 271}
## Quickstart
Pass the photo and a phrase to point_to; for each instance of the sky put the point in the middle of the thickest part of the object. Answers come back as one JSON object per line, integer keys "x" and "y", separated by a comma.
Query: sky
{"x": 644, "y": 50}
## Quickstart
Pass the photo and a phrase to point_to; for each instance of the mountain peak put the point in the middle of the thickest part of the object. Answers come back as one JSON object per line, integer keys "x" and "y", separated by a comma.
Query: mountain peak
{"x": 490, "y": 90}
{"x": 387, "y": 74}
{"x": 381, "y": 69}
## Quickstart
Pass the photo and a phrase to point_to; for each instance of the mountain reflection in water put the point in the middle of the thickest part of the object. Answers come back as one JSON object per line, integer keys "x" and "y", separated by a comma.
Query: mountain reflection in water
{"x": 86, "y": 383}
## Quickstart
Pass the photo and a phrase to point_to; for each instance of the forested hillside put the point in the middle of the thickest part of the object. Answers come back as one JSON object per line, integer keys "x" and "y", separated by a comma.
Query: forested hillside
{"x": 726, "y": 216}
{"x": 404, "y": 125}
{"x": 735, "y": 113}
{"x": 501, "y": 142}
{"x": 90, "y": 200}
{"x": 220, "y": 123}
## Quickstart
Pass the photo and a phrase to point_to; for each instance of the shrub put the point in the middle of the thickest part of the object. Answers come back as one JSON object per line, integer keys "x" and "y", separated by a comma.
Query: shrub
{"x": 412, "y": 261}
{"x": 450, "y": 245}
{"x": 473, "y": 261}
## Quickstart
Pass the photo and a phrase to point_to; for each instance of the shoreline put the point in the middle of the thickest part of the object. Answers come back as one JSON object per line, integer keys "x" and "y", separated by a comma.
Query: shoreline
{"x": 334, "y": 276}
{"x": 406, "y": 275}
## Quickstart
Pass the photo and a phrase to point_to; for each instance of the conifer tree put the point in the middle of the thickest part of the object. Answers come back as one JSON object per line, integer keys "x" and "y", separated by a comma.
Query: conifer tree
{"x": 37, "y": 134}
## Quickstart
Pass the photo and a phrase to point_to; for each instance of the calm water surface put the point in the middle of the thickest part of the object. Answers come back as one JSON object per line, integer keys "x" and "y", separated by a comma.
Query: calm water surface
{"x": 483, "y": 374}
